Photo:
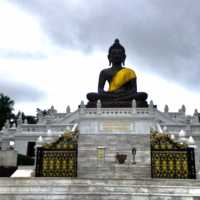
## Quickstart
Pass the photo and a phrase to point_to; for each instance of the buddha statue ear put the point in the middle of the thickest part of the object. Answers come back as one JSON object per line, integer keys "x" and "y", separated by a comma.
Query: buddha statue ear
{"x": 109, "y": 59}
{"x": 124, "y": 58}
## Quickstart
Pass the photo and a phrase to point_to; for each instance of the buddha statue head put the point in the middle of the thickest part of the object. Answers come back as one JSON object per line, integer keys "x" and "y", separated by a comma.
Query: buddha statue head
{"x": 116, "y": 54}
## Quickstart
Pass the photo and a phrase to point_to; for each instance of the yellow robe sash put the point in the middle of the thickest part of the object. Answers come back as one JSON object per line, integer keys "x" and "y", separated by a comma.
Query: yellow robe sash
{"x": 120, "y": 78}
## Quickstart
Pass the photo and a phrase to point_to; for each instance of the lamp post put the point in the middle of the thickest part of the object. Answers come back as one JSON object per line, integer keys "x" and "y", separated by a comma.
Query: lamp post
{"x": 133, "y": 154}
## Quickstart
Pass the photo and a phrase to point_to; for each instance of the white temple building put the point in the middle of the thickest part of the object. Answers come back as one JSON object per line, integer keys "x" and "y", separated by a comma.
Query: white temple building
{"x": 103, "y": 132}
{"x": 134, "y": 121}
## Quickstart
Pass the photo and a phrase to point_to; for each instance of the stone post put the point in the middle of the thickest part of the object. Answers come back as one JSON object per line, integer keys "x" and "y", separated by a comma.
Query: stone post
{"x": 19, "y": 120}
{"x": 195, "y": 118}
{"x": 151, "y": 106}
{"x": 134, "y": 106}
{"x": 5, "y": 143}
{"x": 68, "y": 109}
{"x": 8, "y": 158}
{"x": 166, "y": 109}
{"x": 133, "y": 151}
{"x": 182, "y": 109}
{"x": 182, "y": 138}
{"x": 99, "y": 107}
{"x": 82, "y": 108}
{"x": 25, "y": 121}
{"x": 39, "y": 143}
{"x": 191, "y": 144}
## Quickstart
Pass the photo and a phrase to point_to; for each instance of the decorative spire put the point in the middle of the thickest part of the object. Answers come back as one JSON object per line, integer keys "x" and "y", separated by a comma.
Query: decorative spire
{"x": 166, "y": 109}
{"x": 99, "y": 103}
{"x": 151, "y": 104}
{"x": 68, "y": 109}
{"x": 195, "y": 112}
{"x": 134, "y": 103}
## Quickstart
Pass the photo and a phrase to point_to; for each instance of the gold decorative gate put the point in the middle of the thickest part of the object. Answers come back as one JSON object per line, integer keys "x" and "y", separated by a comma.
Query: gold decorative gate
{"x": 170, "y": 159}
{"x": 58, "y": 159}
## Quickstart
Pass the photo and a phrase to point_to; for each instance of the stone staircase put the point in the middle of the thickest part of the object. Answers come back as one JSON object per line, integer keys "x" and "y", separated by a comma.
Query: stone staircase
{"x": 90, "y": 167}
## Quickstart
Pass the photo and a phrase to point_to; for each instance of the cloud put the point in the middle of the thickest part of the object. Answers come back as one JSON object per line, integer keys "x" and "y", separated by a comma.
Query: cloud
{"x": 159, "y": 36}
{"x": 21, "y": 36}
{"x": 20, "y": 92}
{"x": 13, "y": 54}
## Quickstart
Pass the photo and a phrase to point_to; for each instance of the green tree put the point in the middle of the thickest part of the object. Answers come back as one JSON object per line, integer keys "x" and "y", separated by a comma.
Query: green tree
{"x": 6, "y": 108}
{"x": 31, "y": 119}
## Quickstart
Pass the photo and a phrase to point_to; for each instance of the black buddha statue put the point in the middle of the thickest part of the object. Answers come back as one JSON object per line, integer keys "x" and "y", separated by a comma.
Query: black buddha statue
{"x": 122, "y": 83}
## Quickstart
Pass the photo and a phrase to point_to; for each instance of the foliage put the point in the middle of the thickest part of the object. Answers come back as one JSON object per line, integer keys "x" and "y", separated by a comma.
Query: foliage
{"x": 31, "y": 119}
{"x": 6, "y": 108}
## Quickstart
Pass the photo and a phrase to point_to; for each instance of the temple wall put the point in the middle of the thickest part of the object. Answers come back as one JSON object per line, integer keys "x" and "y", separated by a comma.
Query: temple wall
{"x": 114, "y": 125}
{"x": 116, "y": 120}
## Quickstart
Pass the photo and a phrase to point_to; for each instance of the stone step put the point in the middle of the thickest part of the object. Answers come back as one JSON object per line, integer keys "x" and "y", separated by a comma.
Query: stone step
{"x": 112, "y": 165}
{"x": 113, "y": 170}
{"x": 114, "y": 140}
{"x": 113, "y": 175}
{"x": 113, "y": 143}
{"x": 61, "y": 181}
{"x": 98, "y": 189}
{"x": 112, "y": 159}
{"x": 115, "y": 146}
{"x": 110, "y": 154}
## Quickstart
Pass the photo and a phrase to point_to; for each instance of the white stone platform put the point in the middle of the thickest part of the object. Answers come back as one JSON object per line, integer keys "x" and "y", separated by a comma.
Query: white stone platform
{"x": 24, "y": 171}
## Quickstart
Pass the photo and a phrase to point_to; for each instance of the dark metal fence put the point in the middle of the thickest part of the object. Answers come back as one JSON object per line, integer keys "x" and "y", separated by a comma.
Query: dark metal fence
{"x": 171, "y": 159}
{"x": 58, "y": 159}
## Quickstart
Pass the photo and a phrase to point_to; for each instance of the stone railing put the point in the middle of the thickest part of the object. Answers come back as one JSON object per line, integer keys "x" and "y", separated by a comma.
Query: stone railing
{"x": 115, "y": 111}
{"x": 44, "y": 128}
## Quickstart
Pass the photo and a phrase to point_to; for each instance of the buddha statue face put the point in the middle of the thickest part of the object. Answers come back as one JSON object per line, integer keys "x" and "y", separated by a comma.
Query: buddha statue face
{"x": 116, "y": 54}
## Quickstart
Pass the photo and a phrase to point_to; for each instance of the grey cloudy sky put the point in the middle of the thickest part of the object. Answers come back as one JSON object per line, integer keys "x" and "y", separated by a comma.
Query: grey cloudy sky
{"x": 43, "y": 44}
{"x": 160, "y": 36}
{"x": 20, "y": 91}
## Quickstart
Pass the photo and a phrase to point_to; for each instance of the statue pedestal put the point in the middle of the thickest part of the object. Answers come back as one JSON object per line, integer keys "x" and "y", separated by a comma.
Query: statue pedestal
{"x": 117, "y": 130}
{"x": 124, "y": 101}
{"x": 116, "y": 120}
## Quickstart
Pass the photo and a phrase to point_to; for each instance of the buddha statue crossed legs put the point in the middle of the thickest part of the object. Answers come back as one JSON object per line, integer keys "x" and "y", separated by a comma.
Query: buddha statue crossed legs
{"x": 122, "y": 83}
